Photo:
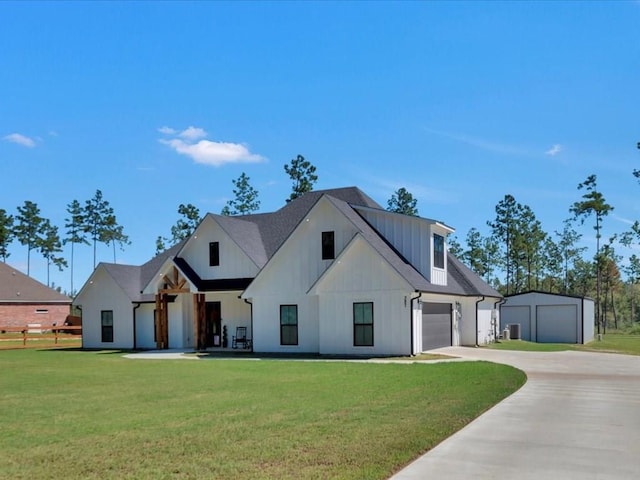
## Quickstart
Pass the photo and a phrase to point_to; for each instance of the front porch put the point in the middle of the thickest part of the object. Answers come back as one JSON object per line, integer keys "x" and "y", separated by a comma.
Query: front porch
{"x": 202, "y": 320}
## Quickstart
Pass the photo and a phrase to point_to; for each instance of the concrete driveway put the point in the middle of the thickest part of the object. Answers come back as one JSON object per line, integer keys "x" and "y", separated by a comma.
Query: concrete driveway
{"x": 577, "y": 417}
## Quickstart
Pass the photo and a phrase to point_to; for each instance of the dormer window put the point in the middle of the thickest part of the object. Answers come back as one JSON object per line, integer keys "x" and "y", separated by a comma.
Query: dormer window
{"x": 328, "y": 246}
{"x": 214, "y": 254}
{"x": 438, "y": 251}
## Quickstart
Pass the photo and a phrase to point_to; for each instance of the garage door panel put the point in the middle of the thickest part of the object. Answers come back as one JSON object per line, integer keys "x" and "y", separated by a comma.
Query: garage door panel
{"x": 436, "y": 325}
{"x": 557, "y": 323}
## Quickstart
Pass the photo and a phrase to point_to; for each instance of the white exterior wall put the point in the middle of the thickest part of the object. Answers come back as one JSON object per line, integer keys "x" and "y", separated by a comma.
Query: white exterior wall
{"x": 287, "y": 278}
{"x": 234, "y": 312}
{"x": 410, "y": 236}
{"x": 266, "y": 323}
{"x": 234, "y": 263}
{"x": 145, "y": 326}
{"x": 102, "y": 293}
{"x": 589, "y": 316}
{"x": 413, "y": 238}
{"x": 360, "y": 275}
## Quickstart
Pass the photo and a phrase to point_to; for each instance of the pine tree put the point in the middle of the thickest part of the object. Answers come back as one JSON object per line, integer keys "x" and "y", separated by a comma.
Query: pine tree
{"x": 50, "y": 245}
{"x": 6, "y": 233}
{"x": 28, "y": 228}
{"x": 246, "y": 198}
{"x": 302, "y": 172}
{"x": 75, "y": 233}
{"x": 402, "y": 201}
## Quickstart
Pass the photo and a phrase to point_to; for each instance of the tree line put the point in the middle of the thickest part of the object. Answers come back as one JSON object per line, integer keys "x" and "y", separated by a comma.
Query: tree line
{"x": 518, "y": 255}
{"x": 90, "y": 223}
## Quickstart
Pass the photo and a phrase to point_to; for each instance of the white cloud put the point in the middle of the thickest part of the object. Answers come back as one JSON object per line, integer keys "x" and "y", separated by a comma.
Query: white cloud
{"x": 193, "y": 133}
{"x": 191, "y": 142}
{"x": 167, "y": 130}
{"x": 553, "y": 151}
{"x": 20, "y": 140}
{"x": 214, "y": 153}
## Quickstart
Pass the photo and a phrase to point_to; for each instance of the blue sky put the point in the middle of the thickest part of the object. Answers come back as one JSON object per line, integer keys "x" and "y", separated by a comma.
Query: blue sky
{"x": 158, "y": 104}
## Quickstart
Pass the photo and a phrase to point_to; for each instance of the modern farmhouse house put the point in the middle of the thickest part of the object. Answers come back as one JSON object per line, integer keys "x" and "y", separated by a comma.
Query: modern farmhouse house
{"x": 331, "y": 272}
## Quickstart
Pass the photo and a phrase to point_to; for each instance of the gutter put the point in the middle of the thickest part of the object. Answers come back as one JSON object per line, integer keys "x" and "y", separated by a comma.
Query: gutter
{"x": 477, "y": 304}
{"x": 411, "y": 318}
{"x": 496, "y": 306}
{"x": 251, "y": 322}
{"x": 135, "y": 340}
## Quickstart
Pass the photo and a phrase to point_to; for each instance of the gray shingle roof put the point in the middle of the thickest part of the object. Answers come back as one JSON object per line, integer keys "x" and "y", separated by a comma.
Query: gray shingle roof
{"x": 261, "y": 235}
{"x": 16, "y": 287}
{"x": 460, "y": 281}
{"x": 132, "y": 279}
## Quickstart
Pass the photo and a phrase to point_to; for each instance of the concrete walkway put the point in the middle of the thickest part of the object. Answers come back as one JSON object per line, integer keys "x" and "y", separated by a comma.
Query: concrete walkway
{"x": 577, "y": 417}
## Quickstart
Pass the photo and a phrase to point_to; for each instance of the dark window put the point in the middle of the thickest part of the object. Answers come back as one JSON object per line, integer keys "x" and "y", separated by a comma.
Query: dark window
{"x": 107, "y": 325}
{"x": 214, "y": 254}
{"x": 438, "y": 251}
{"x": 288, "y": 325}
{"x": 328, "y": 246}
{"x": 363, "y": 324}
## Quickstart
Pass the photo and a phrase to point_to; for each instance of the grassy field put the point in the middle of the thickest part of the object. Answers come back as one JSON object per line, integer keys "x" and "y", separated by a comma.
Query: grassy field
{"x": 74, "y": 414}
{"x": 611, "y": 342}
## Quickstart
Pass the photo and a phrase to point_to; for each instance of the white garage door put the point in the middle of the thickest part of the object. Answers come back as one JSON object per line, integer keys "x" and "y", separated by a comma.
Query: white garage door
{"x": 436, "y": 325}
{"x": 517, "y": 314}
{"x": 557, "y": 323}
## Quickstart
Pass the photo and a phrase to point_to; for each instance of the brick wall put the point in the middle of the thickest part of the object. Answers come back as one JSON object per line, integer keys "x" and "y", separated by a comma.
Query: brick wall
{"x": 20, "y": 315}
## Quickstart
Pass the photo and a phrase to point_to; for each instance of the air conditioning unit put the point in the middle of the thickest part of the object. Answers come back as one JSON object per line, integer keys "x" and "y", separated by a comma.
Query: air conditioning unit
{"x": 514, "y": 331}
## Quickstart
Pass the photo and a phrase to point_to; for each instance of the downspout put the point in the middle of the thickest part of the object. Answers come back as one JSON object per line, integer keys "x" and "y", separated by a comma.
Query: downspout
{"x": 496, "y": 306}
{"x": 135, "y": 340}
{"x": 251, "y": 322}
{"x": 411, "y": 318}
{"x": 477, "y": 305}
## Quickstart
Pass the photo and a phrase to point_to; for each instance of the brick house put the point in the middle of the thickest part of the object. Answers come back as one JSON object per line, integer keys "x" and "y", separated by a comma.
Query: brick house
{"x": 24, "y": 300}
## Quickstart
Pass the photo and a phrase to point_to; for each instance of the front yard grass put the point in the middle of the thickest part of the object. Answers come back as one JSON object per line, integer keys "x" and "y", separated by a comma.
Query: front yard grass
{"x": 611, "y": 343}
{"x": 75, "y": 414}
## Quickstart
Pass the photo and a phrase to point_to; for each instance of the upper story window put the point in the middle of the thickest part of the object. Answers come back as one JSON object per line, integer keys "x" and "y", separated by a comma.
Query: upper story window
{"x": 438, "y": 251}
{"x": 214, "y": 254}
{"x": 328, "y": 246}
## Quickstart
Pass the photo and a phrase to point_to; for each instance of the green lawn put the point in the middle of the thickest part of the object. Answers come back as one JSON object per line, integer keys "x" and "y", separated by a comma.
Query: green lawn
{"x": 611, "y": 342}
{"x": 74, "y": 414}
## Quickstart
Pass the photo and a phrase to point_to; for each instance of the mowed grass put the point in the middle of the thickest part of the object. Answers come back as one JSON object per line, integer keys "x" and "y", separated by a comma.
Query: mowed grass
{"x": 74, "y": 414}
{"x": 615, "y": 343}
{"x": 611, "y": 343}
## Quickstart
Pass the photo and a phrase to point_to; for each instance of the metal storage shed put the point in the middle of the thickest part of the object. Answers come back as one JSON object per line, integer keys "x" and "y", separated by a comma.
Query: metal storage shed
{"x": 549, "y": 317}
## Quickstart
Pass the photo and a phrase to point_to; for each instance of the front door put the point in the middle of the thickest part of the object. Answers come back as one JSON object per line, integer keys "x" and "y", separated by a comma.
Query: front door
{"x": 213, "y": 329}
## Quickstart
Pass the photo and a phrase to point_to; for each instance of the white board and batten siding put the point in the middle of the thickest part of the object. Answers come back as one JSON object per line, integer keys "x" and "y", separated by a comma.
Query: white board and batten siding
{"x": 102, "y": 293}
{"x": 289, "y": 275}
{"x": 234, "y": 263}
{"x": 413, "y": 238}
{"x": 549, "y": 318}
{"x": 360, "y": 275}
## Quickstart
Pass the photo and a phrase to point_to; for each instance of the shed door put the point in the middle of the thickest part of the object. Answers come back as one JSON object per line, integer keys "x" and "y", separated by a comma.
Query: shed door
{"x": 557, "y": 323}
{"x": 436, "y": 325}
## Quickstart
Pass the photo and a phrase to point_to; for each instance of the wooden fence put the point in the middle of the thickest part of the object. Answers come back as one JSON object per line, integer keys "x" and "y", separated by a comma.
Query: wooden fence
{"x": 46, "y": 332}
